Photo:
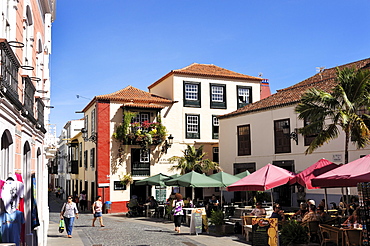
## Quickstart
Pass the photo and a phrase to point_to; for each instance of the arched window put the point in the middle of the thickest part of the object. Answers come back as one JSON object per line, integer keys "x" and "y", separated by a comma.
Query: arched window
{"x": 6, "y": 163}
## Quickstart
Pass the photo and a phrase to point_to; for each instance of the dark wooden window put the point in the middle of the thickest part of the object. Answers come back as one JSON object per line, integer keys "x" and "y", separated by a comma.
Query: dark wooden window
{"x": 244, "y": 140}
{"x": 215, "y": 154}
{"x": 29, "y": 96}
{"x": 241, "y": 167}
{"x": 308, "y": 139}
{"x": 80, "y": 150}
{"x": 85, "y": 159}
{"x": 217, "y": 95}
{"x": 244, "y": 95}
{"x": 192, "y": 126}
{"x": 192, "y": 94}
{"x": 282, "y": 142}
{"x": 215, "y": 127}
{"x": 92, "y": 157}
{"x": 139, "y": 165}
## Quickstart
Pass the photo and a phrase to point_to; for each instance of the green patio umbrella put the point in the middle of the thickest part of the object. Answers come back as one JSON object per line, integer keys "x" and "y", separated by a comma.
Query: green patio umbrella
{"x": 193, "y": 179}
{"x": 242, "y": 174}
{"x": 157, "y": 179}
{"x": 176, "y": 175}
{"x": 226, "y": 179}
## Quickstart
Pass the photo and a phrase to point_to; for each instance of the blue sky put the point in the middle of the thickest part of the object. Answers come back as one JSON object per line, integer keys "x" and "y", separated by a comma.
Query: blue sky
{"x": 101, "y": 46}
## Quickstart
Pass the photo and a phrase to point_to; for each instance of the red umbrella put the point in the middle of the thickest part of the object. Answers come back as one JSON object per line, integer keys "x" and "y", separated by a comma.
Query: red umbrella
{"x": 304, "y": 178}
{"x": 347, "y": 175}
{"x": 266, "y": 178}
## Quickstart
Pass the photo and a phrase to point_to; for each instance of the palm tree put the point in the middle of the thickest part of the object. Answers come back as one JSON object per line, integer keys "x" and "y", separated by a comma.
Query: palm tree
{"x": 345, "y": 108}
{"x": 193, "y": 161}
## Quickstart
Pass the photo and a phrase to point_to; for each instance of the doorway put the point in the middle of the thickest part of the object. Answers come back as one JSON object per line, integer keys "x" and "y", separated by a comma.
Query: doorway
{"x": 283, "y": 193}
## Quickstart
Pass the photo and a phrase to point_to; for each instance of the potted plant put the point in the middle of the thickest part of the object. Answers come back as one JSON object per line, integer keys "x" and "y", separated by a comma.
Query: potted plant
{"x": 218, "y": 219}
{"x": 294, "y": 234}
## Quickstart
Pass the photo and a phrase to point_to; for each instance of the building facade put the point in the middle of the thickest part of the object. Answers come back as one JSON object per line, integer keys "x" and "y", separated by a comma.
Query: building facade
{"x": 254, "y": 136}
{"x": 25, "y": 46}
{"x": 132, "y": 133}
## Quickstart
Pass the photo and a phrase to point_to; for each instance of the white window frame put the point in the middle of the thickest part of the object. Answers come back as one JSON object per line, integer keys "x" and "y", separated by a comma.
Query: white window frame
{"x": 191, "y": 91}
{"x": 192, "y": 123}
{"x": 217, "y": 93}
{"x": 245, "y": 93}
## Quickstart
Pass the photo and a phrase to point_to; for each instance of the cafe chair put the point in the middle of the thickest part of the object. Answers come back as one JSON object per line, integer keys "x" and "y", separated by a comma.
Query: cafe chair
{"x": 353, "y": 237}
{"x": 314, "y": 231}
{"x": 328, "y": 236}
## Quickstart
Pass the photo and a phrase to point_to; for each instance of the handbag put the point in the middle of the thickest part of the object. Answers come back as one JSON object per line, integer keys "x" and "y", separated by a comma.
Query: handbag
{"x": 61, "y": 226}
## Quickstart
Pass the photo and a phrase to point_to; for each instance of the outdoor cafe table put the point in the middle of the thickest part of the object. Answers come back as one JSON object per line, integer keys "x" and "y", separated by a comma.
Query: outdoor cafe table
{"x": 340, "y": 233}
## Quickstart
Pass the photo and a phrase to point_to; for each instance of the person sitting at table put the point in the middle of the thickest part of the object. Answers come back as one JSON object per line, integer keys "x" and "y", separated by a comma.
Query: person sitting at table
{"x": 322, "y": 203}
{"x": 152, "y": 203}
{"x": 353, "y": 219}
{"x": 212, "y": 205}
{"x": 188, "y": 203}
{"x": 312, "y": 215}
{"x": 213, "y": 201}
{"x": 324, "y": 216}
{"x": 278, "y": 213}
{"x": 352, "y": 205}
{"x": 342, "y": 207}
{"x": 310, "y": 202}
{"x": 258, "y": 210}
{"x": 302, "y": 210}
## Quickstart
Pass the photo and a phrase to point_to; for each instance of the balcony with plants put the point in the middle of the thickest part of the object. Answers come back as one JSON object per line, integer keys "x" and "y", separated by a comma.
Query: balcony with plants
{"x": 140, "y": 133}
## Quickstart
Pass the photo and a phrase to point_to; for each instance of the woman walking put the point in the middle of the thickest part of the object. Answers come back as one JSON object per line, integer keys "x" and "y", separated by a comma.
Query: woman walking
{"x": 97, "y": 208}
{"x": 69, "y": 212}
{"x": 177, "y": 205}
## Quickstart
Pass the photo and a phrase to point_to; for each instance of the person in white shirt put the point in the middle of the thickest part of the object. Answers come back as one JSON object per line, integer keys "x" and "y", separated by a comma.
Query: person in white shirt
{"x": 258, "y": 210}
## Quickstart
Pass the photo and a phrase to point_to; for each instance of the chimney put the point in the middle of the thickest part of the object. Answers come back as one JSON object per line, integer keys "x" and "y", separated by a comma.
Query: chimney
{"x": 265, "y": 89}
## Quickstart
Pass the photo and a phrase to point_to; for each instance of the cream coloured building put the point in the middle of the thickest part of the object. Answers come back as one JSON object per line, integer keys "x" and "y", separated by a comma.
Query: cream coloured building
{"x": 252, "y": 136}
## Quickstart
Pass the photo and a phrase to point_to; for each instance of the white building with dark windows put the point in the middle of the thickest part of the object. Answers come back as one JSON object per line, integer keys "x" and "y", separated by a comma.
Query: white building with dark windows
{"x": 185, "y": 101}
{"x": 266, "y": 132}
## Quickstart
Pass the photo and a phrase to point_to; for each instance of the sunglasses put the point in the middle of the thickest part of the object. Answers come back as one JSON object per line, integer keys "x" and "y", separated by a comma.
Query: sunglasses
{"x": 69, "y": 197}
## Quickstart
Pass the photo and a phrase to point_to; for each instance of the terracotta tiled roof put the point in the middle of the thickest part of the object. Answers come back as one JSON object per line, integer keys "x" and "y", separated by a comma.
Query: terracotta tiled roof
{"x": 133, "y": 96}
{"x": 207, "y": 70}
{"x": 291, "y": 95}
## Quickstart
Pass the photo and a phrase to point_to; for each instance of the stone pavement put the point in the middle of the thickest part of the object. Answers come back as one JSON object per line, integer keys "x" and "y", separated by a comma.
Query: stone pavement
{"x": 120, "y": 230}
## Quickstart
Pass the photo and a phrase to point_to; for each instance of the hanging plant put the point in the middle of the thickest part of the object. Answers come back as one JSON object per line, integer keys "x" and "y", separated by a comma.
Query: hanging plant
{"x": 123, "y": 129}
{"x": 145, "y": 133}
{"x": 126, "y": 179}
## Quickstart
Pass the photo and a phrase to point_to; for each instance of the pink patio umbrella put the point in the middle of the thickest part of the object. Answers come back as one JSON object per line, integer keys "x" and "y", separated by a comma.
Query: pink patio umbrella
{"x": 347, "y": 175}
{"x": 304, "y": 178}
{"x": 265, "y": 178}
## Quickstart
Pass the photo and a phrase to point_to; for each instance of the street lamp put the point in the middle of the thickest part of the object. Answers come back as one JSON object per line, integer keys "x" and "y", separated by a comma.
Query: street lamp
{"x": 290, "y": 135}
{"x": 167, "y": 143}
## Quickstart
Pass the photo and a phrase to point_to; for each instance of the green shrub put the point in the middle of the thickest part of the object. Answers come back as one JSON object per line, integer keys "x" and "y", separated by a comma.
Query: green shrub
{"x": 217, "y": 217}
{"x": 293, "y": 233}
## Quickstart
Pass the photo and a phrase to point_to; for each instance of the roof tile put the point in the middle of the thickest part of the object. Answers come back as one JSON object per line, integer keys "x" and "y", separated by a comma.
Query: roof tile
{"x": 324, "y": 80}
{"x": 207, "y": 70}
{"x": 132, "y": 94}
